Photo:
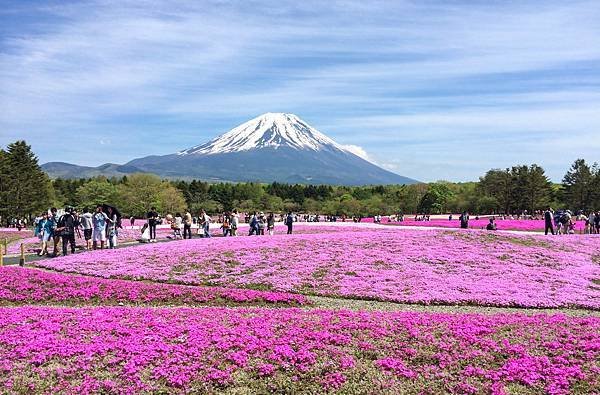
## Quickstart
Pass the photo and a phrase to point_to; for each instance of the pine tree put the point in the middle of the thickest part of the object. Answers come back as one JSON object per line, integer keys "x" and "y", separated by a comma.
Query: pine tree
{"x": 577, "y": 184}
{"x": 26, "y": 188}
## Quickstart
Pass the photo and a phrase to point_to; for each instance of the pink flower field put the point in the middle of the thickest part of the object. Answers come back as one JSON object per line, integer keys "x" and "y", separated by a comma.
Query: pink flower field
{"x": 212, "y": 350}
{"x": 413, "y": 266}
{"x": 19, "y": 286}
{"x": 506, "y": 224}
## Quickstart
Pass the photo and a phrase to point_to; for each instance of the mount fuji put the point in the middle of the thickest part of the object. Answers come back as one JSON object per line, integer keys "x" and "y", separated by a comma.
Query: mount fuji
{"x": 271, "y": 147}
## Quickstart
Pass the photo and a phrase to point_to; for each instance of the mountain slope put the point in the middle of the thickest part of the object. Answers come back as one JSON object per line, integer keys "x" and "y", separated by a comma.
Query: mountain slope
{"x": 271, "y": 147}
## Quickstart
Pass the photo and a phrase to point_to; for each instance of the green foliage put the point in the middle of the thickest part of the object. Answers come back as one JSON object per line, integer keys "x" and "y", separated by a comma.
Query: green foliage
{"x": 96, "y": 191}
{"x": 516, "y": 189}
{"x": 435, "y": 199}
{"x": 580, "y": 186}
{"x": 25, "y": 190}
{"x": 140, "y": 192}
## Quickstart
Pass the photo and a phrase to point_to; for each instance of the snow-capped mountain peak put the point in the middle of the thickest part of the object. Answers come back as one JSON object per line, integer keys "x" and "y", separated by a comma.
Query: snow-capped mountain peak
{"x": 270, "y": 130}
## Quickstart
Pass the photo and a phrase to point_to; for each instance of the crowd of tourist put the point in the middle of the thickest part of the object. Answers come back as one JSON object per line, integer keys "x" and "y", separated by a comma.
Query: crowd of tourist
{"x": 100, "y": 227}
{"x": 97, "y": 227}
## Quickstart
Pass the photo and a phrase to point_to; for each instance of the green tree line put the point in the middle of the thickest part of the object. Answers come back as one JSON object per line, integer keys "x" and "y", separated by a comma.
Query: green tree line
{"x": 25, "y": 190}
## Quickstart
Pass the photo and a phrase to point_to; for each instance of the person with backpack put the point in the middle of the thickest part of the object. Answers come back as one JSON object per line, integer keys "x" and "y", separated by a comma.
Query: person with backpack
{"x": 54, "y": 234}
{"x": 548, "y": 217}
{"x": 261, "y": 224}
{"x": 289, "y": 222}
{"x": 66, "y": 226}
{"x": 565, "y": 222}
{"x": 253, "y": 225}
{"x": 464, "y": 220}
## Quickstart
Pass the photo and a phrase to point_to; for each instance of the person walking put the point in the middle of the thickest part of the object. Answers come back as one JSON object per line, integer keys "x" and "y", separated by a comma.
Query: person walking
{"x": 548, "y": 220}
{"x": 187, "y": 225}
{"x": 464, "y": 220}
{"x": 132, "y": 221}
{"x": 152, "y": 217}
{"x": 99, "y": 221}
{"x": 44, "y": 230}
{"x": 289, "y": 222}
{"x": 88, "y": 226}
{"x": 66, "y": 227}
{"x": 54, "y": 234}
{"x": 205, "y": 224}
{"x": 271, "y": 224}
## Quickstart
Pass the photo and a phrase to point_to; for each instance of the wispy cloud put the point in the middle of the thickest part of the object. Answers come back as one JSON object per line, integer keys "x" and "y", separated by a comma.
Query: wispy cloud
{"x": 417, "y": 85}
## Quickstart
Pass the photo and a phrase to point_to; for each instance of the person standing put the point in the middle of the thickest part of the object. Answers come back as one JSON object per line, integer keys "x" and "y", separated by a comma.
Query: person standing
{"x": 187, "y": 225}
{"x": 235, "y": 221}
{"x": 66, "y": 227}
{"x": 262, "y": 224}
{"x": 491, "y": 225}
{"x": 152, "y": 217}
{"x": 88, "y": 226}
{"x": 253, "y": 225}
{"x": 464, "y": 220}
{"x": 548, "y": 221}
{"x": 111, "y": 229}
{"x": 289, "y": 222}
{"x": 99, "y": 221}
{"x": 226, "y": 225}
{"x": 132, "y": 221}
{"x": 589, "y": 223}
{"x": 271, "y": 224}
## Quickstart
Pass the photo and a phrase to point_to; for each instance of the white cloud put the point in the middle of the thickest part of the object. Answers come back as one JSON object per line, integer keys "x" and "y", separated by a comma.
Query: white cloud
{"x": 358, "y": 151}
{"x": 427, "y": 77}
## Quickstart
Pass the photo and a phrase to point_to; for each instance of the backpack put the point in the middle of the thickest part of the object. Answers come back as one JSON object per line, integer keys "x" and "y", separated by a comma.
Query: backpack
{"x": 62, "y": 221}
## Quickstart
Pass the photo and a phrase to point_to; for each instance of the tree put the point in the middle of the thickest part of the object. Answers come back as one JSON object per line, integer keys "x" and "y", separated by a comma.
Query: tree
{"x": 595, "y": 187}
{"x": 577, "y": 186}
{"x": 139, "y": 194}
{"x": 497, "y": 184}
{"x": 435, "y": 199}
{"x": 96, "y": 191}
{"x": 26, "y": 189}
{"x": 171, "y": 200}
{"x": 538, "y": 188}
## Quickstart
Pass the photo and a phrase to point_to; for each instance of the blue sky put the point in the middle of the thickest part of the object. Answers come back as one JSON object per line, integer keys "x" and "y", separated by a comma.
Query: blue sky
{"x": 429, "y": 89}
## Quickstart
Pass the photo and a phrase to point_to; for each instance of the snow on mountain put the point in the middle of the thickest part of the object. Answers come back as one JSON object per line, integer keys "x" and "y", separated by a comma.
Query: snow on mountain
{"x": 270, "y": 130}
